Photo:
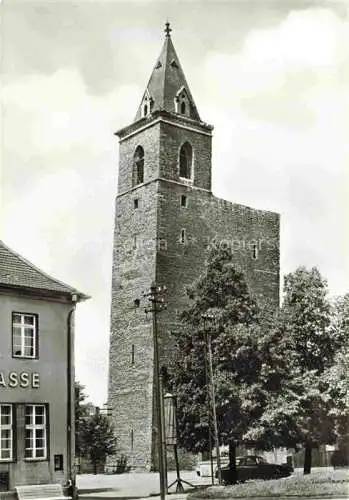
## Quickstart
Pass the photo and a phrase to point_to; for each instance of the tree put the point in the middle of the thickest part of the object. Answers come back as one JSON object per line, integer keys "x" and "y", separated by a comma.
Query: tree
{"x": 298, "y": 413}
{"x": 81, "y": 415}
{"x": 221, "y": 293}
{"x": 98, "y": 439}
{"x": 335, "y": 378}
{"x": 306, "y": 320}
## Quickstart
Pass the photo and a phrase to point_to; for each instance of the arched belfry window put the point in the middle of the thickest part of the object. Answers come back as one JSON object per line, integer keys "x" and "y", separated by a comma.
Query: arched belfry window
{"x": 186, "y": 161}
{"x": 138, "y": 166}
{"x": 182, "y": 104}
{"x": 147, "y": 105}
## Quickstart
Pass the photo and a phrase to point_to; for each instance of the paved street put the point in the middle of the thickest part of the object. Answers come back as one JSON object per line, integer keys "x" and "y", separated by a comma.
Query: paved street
{"x": 141, "y": 485}
{"x": 132, "y": 485}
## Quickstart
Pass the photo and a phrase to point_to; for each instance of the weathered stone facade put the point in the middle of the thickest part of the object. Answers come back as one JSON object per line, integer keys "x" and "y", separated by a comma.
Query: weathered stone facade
{"x": 163, "y": 227}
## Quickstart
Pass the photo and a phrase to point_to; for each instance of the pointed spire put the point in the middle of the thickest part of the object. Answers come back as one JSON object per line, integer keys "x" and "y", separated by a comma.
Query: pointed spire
{"x": 167, "y": 88}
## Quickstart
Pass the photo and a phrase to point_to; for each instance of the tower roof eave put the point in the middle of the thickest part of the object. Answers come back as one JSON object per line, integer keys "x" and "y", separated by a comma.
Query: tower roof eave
{"x": 162, "y": 115}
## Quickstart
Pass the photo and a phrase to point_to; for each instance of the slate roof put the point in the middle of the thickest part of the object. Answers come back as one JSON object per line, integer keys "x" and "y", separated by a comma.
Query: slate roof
{"x": 17, "y": 272}
{"x": 165, "y": 81}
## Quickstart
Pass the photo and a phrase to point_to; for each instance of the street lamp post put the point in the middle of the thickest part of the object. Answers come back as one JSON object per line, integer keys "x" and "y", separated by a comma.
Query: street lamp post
{"x": 212, "y": 395}
{"x": 171, "y": 426}
{"x": 209, "y": 414}
{"x": 158, "y": 304}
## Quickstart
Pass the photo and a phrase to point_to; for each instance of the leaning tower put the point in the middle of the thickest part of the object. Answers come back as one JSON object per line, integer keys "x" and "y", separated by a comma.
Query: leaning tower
{"x": 165, "y": 218}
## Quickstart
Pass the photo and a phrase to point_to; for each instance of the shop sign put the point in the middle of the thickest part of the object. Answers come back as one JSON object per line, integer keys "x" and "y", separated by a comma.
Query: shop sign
{"x": 22, "y": 379}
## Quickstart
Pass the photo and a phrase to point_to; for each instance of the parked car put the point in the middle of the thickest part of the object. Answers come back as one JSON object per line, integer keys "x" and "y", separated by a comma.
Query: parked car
{"x": 203, "y": 468}
{"x": 254, "y": 467}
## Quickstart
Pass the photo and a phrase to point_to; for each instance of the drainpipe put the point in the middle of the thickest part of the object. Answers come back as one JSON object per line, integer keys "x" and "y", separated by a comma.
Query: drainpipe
{"x": 71, "y": 479}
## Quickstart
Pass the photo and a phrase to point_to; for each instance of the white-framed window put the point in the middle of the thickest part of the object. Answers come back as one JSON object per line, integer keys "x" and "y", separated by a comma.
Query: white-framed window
{"x": 24, "y": 335}
{"x": 35, "y": 432}
{"x": 6, "y": 432}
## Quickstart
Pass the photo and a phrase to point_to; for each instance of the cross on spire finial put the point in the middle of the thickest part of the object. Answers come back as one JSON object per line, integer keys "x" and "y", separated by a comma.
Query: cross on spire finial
{"x": 167, "y": 29}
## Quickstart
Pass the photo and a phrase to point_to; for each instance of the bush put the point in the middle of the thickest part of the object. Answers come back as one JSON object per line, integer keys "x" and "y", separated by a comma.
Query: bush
{"x": 187, "y": 461}
{"x": 340, "y": 458}
{"x": 322, "y": 484}
{"x": 121, "y": 466}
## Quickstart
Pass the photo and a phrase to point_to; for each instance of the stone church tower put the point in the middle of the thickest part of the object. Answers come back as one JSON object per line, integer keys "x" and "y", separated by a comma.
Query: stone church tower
{"x": 165, "y": 218}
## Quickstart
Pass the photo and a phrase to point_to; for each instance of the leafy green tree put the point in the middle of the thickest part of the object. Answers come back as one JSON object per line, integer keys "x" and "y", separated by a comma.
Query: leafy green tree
{"x": 81, "y": 415}
{"x": 335, "y": 378}
{"x": 222, "y": 294}
{"x": 98, "y": 439}
{"x": 306, "y": 345}
{"x": 306, "y": 317}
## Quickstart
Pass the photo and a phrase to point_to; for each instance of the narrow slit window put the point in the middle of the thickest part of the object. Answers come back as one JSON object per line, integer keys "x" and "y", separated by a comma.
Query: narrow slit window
{"x": 135, "y": 204}
{"x": 132, "y": 354}
{"x": 183, "y": 201}
{"x": 183, "y": 236}
{"x": 132, "y": 439}
{"x": 254, "y": 252}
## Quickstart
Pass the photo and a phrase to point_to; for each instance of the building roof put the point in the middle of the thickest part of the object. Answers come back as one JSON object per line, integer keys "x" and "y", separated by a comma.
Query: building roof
{"x": 166, "y": 80}
{"x": 17, "y": 272}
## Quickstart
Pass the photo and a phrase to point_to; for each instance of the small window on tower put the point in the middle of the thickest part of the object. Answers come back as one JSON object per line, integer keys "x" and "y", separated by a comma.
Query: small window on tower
{"x": 135, "y": 203}
{"x": 182, "y": 102}
{"x": 133, "y": 354}
{"x": 138, "y": 166}
{"x": 185, "y": 161}
{"x": 254, "y": 251}
{"x": 183, "y": 236}
{"x": 183, "y": 201}
{"x": 147, "y": 105}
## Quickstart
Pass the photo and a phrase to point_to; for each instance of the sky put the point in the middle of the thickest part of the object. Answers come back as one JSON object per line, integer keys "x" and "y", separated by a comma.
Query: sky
{"x": 271, "y": 76}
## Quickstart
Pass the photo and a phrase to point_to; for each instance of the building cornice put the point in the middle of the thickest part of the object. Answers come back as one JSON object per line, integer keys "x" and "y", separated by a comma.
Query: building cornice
{"x": 162, "y": 179}
{"x": 173, "y": 119}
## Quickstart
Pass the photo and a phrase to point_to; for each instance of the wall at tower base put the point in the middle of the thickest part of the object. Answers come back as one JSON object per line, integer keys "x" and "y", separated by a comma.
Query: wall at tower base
{"x": 131, "y": 346}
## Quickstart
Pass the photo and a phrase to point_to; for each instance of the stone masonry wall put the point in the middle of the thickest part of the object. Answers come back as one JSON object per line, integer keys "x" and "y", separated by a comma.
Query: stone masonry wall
{"x": 171, "y": 139}
{"x": 148, "y": 247}
{"x": 208, "y": 220}
{"x": 131, "y": 354}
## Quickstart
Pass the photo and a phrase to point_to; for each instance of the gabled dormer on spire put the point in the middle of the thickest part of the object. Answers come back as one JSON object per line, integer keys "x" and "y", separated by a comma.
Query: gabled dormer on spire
{"x": 167, "y": 89}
